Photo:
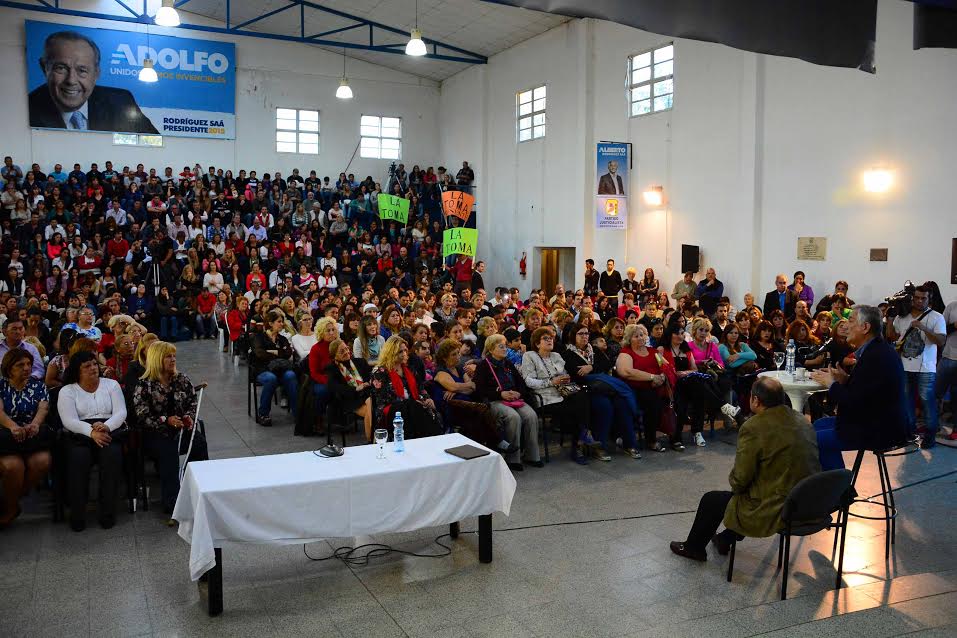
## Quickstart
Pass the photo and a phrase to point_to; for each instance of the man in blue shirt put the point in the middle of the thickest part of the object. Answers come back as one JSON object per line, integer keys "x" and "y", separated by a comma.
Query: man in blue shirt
{"x": 58, "y": 175}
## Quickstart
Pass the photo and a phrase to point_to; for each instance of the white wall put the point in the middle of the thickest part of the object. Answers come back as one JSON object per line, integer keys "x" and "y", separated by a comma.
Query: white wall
{"x": 269, "y": 74}
{"x": 757, "y": 151}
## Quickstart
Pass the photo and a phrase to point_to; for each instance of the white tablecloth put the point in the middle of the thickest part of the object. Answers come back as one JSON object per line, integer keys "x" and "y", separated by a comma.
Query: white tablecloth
{"x": 797, "y": 390}
{"x": 294, "y": 498}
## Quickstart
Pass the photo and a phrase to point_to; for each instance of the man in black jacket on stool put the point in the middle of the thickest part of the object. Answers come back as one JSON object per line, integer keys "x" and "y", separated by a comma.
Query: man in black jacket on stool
{"x": 871, "y": 414}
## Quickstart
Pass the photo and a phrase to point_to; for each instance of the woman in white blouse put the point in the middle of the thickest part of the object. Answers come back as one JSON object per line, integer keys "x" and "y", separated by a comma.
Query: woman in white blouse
{"x": 303, "y": 342}
{"x": 93, "y": 411}
{"x": 213, "y": 280}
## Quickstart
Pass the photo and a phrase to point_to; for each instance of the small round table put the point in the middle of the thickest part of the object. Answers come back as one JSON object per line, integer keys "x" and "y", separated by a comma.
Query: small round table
{"x": 797, "y": 390}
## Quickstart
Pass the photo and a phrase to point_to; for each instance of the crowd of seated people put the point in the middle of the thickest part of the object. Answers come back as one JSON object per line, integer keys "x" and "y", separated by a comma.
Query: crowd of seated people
{"x": 342, "y": 314}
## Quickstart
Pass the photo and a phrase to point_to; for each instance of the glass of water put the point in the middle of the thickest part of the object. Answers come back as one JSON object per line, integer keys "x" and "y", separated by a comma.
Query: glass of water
{"x": 779, "y": 359}
{"x": 381, "y": 436}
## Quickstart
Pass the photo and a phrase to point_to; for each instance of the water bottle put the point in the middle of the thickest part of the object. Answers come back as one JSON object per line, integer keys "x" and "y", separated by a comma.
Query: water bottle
{"x": 789, "y": 361}
{"x": 398, "y": 428}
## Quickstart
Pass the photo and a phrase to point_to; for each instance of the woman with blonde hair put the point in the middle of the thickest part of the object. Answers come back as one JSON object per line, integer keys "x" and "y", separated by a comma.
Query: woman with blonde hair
{"x": 368, "y": 343}
{"x": 119, "y": 324}
{"x": 164, "y": 403}
{"x": 137, "y": 366}
{"x": 395, "y": 389}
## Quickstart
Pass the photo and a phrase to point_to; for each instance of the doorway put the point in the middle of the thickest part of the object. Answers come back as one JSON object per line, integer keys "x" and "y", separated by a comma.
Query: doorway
{"x": 549, "y": 269}
{"x": 556, "y": 266}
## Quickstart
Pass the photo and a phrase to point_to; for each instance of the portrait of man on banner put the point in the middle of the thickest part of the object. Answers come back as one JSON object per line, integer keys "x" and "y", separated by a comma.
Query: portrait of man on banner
{"x": 71, "y": 99}
{"x": 611, "y": 169}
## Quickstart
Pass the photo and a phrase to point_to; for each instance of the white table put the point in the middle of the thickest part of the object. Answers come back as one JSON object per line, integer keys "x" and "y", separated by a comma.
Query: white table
{"x": 796, "y": 390}
{"x": 300, "y": 498}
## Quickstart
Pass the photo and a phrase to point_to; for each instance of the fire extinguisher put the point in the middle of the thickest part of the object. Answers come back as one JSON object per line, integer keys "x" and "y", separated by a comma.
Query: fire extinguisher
{"x": 522, "y": 265}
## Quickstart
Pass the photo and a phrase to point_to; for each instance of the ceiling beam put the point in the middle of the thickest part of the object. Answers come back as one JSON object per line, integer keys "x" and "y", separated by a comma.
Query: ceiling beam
{"x": 455, "y": 54}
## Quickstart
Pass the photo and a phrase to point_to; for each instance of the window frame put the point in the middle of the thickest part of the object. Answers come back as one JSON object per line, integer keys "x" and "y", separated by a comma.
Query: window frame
{"x": 298, "y": 131}
{"x": 395, "y": 142}
{"x": 140, "y": 140}
{"x": 651, "y": 82}
{"x": 535, "y": 131}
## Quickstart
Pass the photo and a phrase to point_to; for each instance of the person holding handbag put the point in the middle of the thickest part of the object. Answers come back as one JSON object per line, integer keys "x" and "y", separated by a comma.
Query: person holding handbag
{"x": 271, "y": 361}
{"x": 453, "y": 393}
{"x": 499, "y": 382}
{"x": 695, "y": 392}
{"x": 24, "y": 438}
{"x": 706, "y": 355}
{"x": 544, "y": 372}
{"x": 164, "y": 403}
{"x": 640, "y": 368}
{"x": 610, "y": 398}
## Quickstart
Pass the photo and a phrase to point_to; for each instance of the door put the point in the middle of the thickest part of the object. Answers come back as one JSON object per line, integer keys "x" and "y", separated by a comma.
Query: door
{"x": 549, "y": 269}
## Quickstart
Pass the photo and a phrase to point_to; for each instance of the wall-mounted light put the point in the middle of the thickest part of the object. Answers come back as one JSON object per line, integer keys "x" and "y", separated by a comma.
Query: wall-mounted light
{"x": 654, "y": 196}
{"x": 878, "y": 180}
{"x": 167, "y": 16}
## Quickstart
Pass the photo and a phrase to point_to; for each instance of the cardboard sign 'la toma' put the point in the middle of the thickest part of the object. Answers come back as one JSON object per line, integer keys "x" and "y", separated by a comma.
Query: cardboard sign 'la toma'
{"x": 459, "y": 241}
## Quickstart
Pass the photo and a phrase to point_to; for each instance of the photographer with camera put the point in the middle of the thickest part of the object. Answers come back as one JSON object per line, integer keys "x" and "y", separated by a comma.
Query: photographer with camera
{"x": 918, "y": 334}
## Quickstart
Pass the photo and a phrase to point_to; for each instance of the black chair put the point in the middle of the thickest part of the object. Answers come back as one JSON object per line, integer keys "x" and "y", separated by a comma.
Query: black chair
{"x": 545, "y": 420}
{"x": 887, "y": 491}
{"x": 807, "y": 511}
{"x": 252, "y": 393}
{"x": 339, "y": 420}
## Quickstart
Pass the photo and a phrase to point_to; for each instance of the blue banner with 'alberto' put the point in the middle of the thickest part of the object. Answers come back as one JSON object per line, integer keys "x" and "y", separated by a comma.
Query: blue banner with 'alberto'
{"x": 83, "y": 79}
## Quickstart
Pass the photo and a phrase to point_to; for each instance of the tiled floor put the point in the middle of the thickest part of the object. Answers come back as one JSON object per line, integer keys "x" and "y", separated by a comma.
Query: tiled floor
{"x": 613, "y": 576}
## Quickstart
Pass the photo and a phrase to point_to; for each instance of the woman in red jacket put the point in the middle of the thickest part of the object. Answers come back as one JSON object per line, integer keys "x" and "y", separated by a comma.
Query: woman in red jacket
{"x": 237, "y": 320}
{"x": 319, "y": 360}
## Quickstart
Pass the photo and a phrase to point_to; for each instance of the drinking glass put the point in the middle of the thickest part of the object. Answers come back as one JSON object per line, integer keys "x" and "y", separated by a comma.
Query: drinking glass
{"x": 381, "y": 436}
{"x": 779, "y": 359}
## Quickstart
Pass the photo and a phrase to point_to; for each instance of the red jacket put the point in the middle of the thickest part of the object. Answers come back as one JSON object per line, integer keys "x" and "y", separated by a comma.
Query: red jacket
{"x": 205, "y": 302}
{"x": 117, "y": 249}
{"x": 319, "y": 360}
{"x": 236, "y": 321}
{"x": 462, "y": 270}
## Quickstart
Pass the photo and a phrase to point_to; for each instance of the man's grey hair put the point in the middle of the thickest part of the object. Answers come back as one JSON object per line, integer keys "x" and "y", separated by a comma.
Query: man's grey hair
{"x": 871, "y": 315}
{"x": 68, "y": 36}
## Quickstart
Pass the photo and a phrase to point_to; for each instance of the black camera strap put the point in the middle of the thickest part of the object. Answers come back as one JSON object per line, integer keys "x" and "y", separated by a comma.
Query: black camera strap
{"x": 911, "y": 329}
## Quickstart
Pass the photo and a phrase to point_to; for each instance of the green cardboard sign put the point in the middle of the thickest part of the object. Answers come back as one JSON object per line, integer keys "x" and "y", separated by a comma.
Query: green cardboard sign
{"x": 392, "y": 207}
{"x": 459, "y": 241}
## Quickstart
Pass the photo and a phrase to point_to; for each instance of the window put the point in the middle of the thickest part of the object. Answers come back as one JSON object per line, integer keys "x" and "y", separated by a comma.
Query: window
{"x": 381, "y": 137}
{"x": 297, "y": 131}
{"x": 132, "y": 139}
{"x": 651, "y": 83}
{"x": 531, "y": 114}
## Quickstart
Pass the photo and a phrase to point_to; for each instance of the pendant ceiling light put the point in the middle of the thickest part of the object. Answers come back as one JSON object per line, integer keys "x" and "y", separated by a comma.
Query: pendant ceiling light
{"x": 416, "y": 46}
{"x": 344, "y": 92}
{"x": 167, "y": 15}
{"x": 148, "y": 73}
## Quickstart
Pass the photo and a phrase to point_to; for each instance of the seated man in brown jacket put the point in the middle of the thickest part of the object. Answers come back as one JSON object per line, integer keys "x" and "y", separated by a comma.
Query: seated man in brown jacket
{"x": 777, "y": 448}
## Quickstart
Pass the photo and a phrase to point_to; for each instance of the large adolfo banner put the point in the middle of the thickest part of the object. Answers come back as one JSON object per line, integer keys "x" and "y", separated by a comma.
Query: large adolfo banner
{"x": 83, "y": 79}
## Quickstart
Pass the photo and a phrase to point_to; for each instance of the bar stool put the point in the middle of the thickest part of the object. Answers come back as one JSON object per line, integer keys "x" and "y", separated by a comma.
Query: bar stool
{"x": 886, "y": 494}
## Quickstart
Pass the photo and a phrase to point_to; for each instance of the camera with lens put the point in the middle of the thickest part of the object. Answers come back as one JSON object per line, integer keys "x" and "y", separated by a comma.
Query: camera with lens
{"x": 392, "y": 169}
{"x": 900, "y": 303}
